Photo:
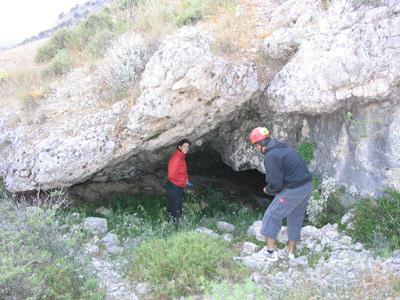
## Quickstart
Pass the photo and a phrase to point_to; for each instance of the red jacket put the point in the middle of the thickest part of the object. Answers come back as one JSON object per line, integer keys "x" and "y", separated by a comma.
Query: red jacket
{"x": 177, "y": 169}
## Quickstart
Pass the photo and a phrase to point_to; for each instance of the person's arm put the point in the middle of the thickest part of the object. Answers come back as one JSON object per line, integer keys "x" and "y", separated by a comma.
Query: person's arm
{"x": 173, "y": 168}
{"x": 176, "y": 171}
{"x": 274, "y": 175}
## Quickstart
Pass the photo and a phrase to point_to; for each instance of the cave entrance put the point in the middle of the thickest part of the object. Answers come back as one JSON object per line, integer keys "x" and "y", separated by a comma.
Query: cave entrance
{"x": 207, "y": 170}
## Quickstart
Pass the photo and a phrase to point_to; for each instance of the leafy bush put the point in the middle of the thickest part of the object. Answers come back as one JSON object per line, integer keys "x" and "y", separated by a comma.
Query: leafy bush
{"x": 61, "y": 40}
{"x": 98, "y": 44}
{"x": 126, "y": 61}
{"x": 37, "y": 260}
{"x": 45, "y": 53}
{"x": 306, "y": 151}
{"x": 377, "y": 222}
{"x": 183, "y": 263}
{"x": 59, "y": 65}
{"x": 93, "y": 25}
{"x": 324, "y": 206}
{"x": 333, "y": 210}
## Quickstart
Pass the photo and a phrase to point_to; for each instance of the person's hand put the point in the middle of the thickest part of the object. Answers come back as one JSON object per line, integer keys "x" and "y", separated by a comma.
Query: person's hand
{"x": 265, "y": 190}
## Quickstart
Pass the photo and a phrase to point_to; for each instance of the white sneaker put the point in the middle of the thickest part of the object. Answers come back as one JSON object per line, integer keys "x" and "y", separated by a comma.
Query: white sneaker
{"x": 282, "y": 253}
{"x": 264, "y": 255}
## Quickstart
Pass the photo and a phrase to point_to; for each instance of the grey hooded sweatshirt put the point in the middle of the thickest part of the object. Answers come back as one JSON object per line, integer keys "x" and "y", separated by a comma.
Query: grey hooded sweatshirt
{"x": 284, "y": 167}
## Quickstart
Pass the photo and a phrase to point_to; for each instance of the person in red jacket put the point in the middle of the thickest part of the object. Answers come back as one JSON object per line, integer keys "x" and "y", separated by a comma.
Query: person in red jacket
{"x": 178, "y": 179}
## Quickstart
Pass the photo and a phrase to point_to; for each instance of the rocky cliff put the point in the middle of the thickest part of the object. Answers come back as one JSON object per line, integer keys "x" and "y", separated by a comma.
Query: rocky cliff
{"x": 330, "y": 75}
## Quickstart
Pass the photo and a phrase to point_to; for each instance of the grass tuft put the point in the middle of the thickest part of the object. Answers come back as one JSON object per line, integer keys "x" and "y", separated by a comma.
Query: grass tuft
{"x": 183, "y": 263}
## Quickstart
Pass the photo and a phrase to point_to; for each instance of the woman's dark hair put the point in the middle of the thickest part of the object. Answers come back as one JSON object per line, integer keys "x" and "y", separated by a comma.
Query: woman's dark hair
{"x": 184, "y": 141}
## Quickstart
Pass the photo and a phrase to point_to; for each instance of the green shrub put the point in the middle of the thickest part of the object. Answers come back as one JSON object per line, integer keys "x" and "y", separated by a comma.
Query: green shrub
{"x": 45, "y": 53}
{"x": 183, "y": 263}
{"x": 37, "y": 260}
{"x": 99, "y": 43}
{"x": 306, "y": 151}
{"x": 324, "y": 206}
{"x": 59, "y": 65}
{"x": 377, "y": 222}
{"x": 93, "y": 35}
{"x": 333, "y": 210}
{"x": 94, "y": 24}
{"x": 61, "y": 40}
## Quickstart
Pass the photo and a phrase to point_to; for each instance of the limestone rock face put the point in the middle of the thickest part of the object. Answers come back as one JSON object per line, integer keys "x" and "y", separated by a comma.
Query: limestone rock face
{"x": 337, "y": 85}
{"x": 345, "y": 55}
{"x": 331, "y": 77}
{"x": 188, "y": 91}
{"x": 185, "y": 90}
{"x": 343, "y": 73}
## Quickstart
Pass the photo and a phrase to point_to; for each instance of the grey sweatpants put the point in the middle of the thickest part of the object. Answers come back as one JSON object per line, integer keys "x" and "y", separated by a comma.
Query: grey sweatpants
{"x": 290, "y": 204}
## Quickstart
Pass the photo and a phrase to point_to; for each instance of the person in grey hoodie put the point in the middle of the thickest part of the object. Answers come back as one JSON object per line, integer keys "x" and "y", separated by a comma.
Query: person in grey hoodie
{"x": 289, "y": 181}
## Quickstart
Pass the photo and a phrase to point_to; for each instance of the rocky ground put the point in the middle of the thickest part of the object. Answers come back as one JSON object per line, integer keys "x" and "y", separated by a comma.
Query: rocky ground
{"x": 327, "y": 263}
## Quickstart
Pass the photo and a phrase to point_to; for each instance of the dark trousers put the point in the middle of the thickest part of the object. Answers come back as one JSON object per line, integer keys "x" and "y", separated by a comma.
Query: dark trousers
{"x": 174, "y": 201}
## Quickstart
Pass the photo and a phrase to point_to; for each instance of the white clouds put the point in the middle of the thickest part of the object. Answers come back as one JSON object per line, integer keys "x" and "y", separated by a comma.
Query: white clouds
{"x": 20, "y": 19}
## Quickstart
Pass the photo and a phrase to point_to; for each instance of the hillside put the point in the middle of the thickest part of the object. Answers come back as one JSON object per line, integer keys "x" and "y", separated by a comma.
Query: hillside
{"x": 90, "y": 116}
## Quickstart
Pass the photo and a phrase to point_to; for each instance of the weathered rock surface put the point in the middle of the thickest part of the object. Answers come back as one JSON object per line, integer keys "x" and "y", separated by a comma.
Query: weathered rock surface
{"x": 208, "y": 232}
{"x": 326, "y": 261}
{"x": 332, "y": 78}
{"x": 225, "y": 226}
{"x": 95, "y": 226}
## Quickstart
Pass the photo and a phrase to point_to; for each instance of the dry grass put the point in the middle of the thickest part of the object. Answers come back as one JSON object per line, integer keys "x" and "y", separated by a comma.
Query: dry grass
{"x": 379, "y": 283}
{"x": 18, "y": 73}
{"x": 26, "y": 85}
{"x": 158, "y": 18}
{"x": 233, "y": 30}
{"x": 23, "y": 80}
{"x": 23, "y": 90}
{"x": 22, "y": 85}
{"x": 152, "y": 19}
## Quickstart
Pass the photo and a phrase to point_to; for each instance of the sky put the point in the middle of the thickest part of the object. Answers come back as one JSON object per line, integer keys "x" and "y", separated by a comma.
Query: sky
{"x": 20, "y": 19}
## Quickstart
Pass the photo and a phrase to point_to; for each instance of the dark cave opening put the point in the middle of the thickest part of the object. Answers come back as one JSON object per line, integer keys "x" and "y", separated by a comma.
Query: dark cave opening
{"x": 208, "y": 171}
